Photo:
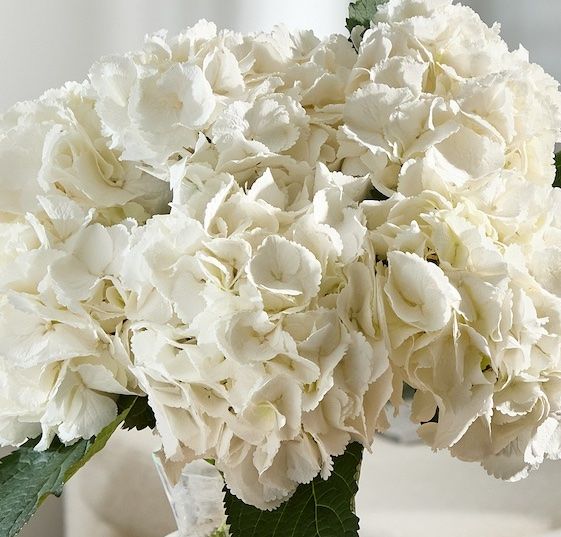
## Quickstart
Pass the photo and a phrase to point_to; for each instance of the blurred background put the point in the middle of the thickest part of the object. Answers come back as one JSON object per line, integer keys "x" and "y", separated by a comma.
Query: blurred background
{"x": 405, "y": 490}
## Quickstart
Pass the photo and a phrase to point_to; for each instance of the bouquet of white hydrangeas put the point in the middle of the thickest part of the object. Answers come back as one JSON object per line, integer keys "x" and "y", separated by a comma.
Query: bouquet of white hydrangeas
{"x": 251, "y": 243}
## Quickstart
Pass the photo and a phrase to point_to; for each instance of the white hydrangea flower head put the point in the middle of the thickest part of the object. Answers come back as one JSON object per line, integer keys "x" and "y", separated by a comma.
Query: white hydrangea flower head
{"x": 247, "y": 332}
{"x": 236, "y": 312}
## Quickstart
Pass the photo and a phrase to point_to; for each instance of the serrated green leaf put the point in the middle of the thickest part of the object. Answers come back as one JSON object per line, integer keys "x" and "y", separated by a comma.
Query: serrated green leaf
{"x": 557, "y": 170}
{"x": 141, "y": 416}
{"x": 362, "y": 12}
{"x": 28, "y": 477}
{"x": 319, "y": 509}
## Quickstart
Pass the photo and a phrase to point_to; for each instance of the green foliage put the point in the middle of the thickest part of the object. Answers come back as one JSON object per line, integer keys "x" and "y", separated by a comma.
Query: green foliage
{"x": 140, "y": 415}
{"x": 362, "y": 12}
{"x": 28, "y": 477}
{"x": 319, "y": 509}
{"x": 558, "y": 170}
{"x": 222, "y": 531}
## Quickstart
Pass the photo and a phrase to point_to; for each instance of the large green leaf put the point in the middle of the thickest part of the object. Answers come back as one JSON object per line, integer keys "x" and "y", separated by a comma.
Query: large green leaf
{"x": 558, "y": 170}
{"x": 28, "y": 477}
{"x": 319, "y": 509}
{"x": 362, "y": 12}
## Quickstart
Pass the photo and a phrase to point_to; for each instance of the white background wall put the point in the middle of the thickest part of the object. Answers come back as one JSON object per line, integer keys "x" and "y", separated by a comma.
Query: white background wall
{"x": 46, "y": 42}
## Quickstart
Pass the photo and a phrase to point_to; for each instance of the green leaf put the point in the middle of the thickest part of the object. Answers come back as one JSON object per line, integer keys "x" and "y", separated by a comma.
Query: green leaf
{"x": 141, "y": 415}
{"x": 362, "y": 12}
{"x": 319, "y": 509}
{"x": 558, "y": 170}
{"x": 222, "y": 531}
{"x": 28, "y": 477}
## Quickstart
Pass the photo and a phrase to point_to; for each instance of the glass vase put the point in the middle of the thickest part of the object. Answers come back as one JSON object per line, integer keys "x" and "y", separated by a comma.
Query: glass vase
{"x": 196, "y": 496}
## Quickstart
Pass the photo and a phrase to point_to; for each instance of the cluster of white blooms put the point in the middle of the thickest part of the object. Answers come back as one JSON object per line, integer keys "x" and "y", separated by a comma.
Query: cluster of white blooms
{"x": 250, "y": 304}
{"x": 178, "y": 226}
{"x": 267, "y": 235}
{"x": 459, "y": 134}
{"x": 67, "y": 206}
